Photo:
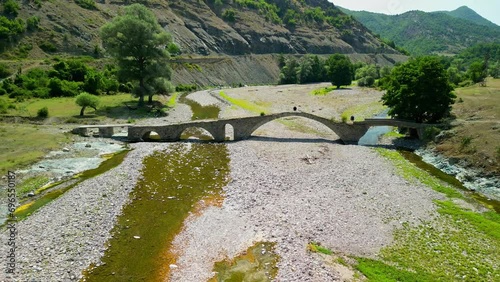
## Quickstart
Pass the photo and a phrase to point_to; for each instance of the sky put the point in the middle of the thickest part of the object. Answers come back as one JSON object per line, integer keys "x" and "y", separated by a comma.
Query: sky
{"x": 489, "y": 9}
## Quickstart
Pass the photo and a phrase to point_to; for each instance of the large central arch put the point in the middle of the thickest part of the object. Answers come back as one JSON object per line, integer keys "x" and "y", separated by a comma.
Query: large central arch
{"x": 348, "y": 133}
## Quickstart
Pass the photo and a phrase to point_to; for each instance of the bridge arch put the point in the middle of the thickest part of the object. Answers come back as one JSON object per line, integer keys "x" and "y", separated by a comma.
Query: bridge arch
{"x": 228, "y": 132}
{"x": 348, "y": 133}
{"x": 151, "y": 136}
{"x": 197, "y": 132}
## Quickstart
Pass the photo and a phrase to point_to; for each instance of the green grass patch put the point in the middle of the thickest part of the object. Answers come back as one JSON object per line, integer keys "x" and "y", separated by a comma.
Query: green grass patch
{"x": 317, "y": 248}
{"x": 450, "y": 249}
{"x": 173, "y": 100}
{"x": 66, "y": 106}
{"x": 323, "y": 91}
{"x": 360, "y": 112}
{"x": 376, "y": 270}
{"x": 31, "y": 184}
{"x": 21, "y": 145}
{"x": 414, "y": 174}
{"x": 487, "y": 223}
{"x": 394, "y": 134}
{"x": 251, "y": 107}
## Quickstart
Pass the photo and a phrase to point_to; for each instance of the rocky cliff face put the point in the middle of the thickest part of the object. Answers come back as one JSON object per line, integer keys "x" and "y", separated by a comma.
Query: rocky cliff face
{"x": 201, "y": 28}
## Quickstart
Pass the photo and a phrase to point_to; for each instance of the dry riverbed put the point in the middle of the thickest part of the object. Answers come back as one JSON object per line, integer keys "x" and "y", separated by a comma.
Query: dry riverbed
{"x": 289, "y": 187}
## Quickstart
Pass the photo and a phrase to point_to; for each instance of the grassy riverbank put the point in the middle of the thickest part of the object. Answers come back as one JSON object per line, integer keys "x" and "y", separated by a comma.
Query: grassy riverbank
{"x": 459, "y": 244}
{"x": 20, "y": 144}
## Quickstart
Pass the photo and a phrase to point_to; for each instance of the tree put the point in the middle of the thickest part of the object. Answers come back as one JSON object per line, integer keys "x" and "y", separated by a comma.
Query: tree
{"x": 288, "y": 73}
{"x": 137, "y": 42}
{"x": 339, "y": 70}
{"x": 85, "y": 100}
{"x": 477, "y": 71}
{"x": 419, "y": 90}
{"x": 366, "y": 75}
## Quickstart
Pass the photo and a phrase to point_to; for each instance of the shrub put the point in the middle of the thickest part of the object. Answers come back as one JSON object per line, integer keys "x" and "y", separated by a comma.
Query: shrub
{"x": 47, "y": 46}
{"x": 185, "y": 87}
{"x": 63, "y": 88}
{"x": 4, "y": 70}
{"x": 4, "y": 105}
{"x": 32, "y": 23}
{"x": 229, "y": 15}
{"x": 11, "y": 7}
{"x": 43, "y": 112}
{"x": 86, "y": 4}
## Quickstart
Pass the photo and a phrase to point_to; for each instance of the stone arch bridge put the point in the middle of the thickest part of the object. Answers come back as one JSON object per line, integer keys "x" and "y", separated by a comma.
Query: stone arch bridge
{"x": 349, "y": 133}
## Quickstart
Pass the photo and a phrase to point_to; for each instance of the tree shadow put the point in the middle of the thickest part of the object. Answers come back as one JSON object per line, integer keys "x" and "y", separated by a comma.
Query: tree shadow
{"x": 294, "y": 140}
{"x": 129, "y": 110}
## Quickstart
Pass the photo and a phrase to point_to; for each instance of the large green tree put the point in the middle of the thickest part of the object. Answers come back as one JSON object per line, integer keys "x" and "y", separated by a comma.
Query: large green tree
{"x": 419, "y": 90}
{"x": 137, "y": 42}
{"x": 339, "y": 70}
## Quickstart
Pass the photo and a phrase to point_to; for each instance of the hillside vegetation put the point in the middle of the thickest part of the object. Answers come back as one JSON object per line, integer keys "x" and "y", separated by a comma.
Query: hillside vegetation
{"x": 208, "y": 27}
{"x": 429, "y": 33}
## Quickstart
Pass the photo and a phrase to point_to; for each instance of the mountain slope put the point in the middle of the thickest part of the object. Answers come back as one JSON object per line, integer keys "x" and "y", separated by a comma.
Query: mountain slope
{"x": 467, "y": 13}
{"x": 202, "y": 27}
{"x": 427, "y": 33}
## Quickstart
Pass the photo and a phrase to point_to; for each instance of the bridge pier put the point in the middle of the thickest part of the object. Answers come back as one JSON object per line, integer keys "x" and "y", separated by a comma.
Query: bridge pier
{"x": 106, "y": 131}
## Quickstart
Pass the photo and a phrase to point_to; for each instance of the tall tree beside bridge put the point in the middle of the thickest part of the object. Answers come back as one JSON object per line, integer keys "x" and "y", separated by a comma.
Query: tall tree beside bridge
{"x": 137, "y": 42}
{"x": 339, "y": 70}
{"x": 419, "y": 90}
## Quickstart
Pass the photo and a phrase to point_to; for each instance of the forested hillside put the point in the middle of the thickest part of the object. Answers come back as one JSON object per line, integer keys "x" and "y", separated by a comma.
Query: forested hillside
{"x": 429, "y": 33}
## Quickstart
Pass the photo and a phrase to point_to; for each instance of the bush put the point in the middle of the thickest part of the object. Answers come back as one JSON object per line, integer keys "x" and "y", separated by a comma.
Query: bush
{"x": 63, "y": 88}
{"x": 32, "y": 23}
{"x": 11, "y": 7}
{"x": 43, "y": 112}
{"x": 185, "y": 87}
{"x": 47, "y": 46}
{"x": 4, "y": 70}
{"x": 229, "y": 15}
{"x": 86, "y": 4}
{"x": 4, "y": 105}
{"x": 367, "y": 81}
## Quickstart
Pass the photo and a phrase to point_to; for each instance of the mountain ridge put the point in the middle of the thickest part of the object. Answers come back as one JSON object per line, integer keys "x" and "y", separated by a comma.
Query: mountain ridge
{"x": 469, "y": 14}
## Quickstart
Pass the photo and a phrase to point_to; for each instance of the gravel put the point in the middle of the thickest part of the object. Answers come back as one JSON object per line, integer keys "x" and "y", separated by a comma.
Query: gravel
{"x": 286, "y": 187}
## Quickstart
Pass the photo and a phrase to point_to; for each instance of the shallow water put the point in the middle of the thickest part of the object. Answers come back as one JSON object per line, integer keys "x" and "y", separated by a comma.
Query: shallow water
{"x": 258, "y": 263}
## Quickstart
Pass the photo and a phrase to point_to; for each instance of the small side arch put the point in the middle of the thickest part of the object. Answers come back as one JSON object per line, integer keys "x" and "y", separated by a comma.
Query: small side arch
{"x": 229, "y": 132}
{"x": 151, "y": 136}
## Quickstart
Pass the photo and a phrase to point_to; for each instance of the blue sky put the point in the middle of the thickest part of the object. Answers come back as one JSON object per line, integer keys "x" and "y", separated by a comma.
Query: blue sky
{"x": 489, "y": 9}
